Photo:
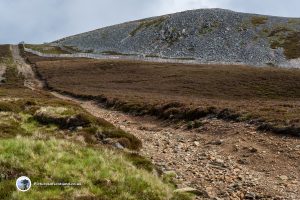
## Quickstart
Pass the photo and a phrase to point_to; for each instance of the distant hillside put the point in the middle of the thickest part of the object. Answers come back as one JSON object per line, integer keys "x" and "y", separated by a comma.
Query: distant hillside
{"x": 208, "y": 35}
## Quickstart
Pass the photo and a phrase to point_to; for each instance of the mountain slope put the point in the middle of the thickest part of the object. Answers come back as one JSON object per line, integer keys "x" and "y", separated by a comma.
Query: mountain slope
{"x": 208, "y": 35}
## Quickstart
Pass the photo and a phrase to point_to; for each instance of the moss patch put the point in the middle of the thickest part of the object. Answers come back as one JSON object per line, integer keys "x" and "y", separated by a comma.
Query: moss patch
{"x": 259, "y": 20}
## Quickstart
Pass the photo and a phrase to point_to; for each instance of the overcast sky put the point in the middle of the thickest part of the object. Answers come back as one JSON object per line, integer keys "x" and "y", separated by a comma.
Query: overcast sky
{"x": 38, "y": 21}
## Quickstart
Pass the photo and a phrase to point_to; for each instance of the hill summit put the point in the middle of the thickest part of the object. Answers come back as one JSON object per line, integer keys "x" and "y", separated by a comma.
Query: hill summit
{"x": 206, "y": 35}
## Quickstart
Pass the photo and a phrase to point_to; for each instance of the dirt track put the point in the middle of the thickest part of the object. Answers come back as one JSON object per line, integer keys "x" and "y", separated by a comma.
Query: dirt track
{"x": 225, "y": 159}
{"x": 25, "y": 70}
{"x": 2, "y": 72}
{"x": 222, "y": 159}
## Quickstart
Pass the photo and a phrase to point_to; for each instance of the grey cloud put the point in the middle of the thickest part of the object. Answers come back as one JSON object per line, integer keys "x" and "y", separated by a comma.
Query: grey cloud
{"x": 288, "y": 8}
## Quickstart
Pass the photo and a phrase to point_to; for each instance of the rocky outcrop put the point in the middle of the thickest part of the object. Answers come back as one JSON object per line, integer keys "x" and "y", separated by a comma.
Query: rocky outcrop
{"x": 207, "y": 35}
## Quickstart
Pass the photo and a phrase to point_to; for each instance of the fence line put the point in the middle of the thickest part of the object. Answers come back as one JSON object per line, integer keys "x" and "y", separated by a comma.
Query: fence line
{"x": 122, "y": 57}
{"x": 290, "y": 64}
{"x": 294, "y": 63}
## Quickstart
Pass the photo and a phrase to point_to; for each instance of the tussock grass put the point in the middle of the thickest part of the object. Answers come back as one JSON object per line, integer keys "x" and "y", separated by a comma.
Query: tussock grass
{"x": 102, "y": 173}
{"x": 140, "y": 162}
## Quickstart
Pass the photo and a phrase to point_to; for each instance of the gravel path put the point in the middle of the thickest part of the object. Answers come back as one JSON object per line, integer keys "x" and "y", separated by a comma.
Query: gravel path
{"x": 222, "y": 160}
{"x": 2, "y": 72}
{"x": 25, "y": 70}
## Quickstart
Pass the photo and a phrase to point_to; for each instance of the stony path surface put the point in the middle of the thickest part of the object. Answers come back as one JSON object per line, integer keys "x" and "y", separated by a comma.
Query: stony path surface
{"x": 25, "y": 70}
{"x": 2, "y": 72}
{"x": 223, "y": 160}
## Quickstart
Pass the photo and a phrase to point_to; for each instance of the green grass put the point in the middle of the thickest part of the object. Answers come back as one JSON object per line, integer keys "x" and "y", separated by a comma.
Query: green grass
{"x": 141, "y": 162}
{"x": 103, "y": 173}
